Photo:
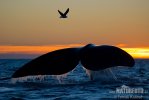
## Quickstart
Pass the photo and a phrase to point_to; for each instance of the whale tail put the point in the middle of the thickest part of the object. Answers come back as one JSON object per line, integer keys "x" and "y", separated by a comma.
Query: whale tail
{"x": 94, "y": 58}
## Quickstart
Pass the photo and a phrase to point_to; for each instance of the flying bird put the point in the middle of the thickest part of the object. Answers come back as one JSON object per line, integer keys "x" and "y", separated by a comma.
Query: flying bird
{"x": 61, "y": 61}
{"x": 63, "y": 15}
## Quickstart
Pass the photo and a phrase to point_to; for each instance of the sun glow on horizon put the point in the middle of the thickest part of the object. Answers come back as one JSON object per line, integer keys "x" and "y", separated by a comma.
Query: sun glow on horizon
{"x": 138, "y": 52}
{"x": 34, "y": 49}
{"x": 142, "y": 53}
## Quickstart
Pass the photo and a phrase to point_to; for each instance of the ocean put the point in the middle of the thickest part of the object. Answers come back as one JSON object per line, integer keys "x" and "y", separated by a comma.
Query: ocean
{"x": 120, "y": 83}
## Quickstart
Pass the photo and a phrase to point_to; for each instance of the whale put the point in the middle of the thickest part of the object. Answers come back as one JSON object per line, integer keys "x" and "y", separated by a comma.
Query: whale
{"x": 62, "y": 61}
{"x": 101, "y": 57}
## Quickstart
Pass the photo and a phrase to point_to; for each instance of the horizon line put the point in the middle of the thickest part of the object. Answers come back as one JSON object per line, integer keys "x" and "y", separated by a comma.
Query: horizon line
{"x": 33, "y": 51}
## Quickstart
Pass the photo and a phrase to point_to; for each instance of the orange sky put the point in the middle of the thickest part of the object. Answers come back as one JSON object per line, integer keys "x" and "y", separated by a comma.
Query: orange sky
{"x": 34, "y": 26}
{"x": 39, "y": 50}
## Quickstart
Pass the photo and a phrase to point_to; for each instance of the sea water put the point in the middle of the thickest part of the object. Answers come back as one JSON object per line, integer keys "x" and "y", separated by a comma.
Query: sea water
{"x": 114, "y": 83}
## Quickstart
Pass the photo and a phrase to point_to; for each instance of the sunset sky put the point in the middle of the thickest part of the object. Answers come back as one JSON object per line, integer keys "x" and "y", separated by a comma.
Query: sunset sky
{"x": 33, "y": 27}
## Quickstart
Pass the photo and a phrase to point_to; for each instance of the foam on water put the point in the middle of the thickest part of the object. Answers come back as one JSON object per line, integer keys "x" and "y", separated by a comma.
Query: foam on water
{"x": 40, "y": 78}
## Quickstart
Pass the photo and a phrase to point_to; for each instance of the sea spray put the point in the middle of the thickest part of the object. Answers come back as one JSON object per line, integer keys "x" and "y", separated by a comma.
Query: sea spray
{"x": 57, "y": 79}
{"x": 60, "y": 77}
{"x": 40, "y": 78}
{"x": 103, "y": 75}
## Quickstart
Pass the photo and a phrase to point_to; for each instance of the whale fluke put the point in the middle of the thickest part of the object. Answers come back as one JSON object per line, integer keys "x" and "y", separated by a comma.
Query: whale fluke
{"x": 65, "y": 60}
{"x": 101, "y": 57}
{"x": 54, "y": 63}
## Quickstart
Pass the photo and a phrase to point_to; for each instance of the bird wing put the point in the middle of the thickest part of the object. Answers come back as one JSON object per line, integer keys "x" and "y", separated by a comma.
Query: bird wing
{"x": 60, "y": 13}
{"x": 66, "y": 11}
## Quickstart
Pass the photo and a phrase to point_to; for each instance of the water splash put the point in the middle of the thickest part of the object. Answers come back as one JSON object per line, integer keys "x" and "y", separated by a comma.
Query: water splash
{"x": 60, "y": 77}
{"x": 104, "y": 75}
{"x": 40, "y": 78}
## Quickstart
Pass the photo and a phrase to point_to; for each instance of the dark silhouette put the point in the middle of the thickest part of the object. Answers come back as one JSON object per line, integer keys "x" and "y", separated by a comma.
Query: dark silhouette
{"x": 63, "y": 15}
{"x": 101, "y": 57}
{"x": 64, "y": 60}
